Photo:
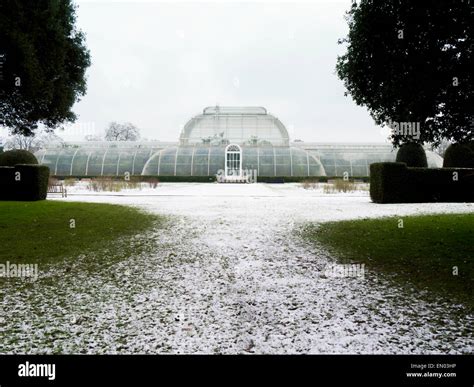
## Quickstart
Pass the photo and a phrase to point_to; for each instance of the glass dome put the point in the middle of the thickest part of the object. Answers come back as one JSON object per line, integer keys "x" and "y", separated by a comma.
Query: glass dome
{"x": 207, "y": 160}
{"x": 240, "y": 125}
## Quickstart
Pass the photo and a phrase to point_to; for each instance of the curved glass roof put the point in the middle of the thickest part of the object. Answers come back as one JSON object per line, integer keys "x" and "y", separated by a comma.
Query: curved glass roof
{"x": 234, "y": 110}
{"x": 208, "y": 160}
{"x": 110, "y": 159}
{"x": 94, "y": 161}
{"x": 355, "y": 159}
{"x": 241, "y": 125}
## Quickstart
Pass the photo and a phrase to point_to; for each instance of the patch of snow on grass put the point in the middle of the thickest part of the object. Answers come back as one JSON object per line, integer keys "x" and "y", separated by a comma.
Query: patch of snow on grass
{"x": 230, "y": 275}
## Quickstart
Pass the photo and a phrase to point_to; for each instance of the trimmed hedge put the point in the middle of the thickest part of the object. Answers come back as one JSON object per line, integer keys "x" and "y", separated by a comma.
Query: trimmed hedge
{"x": 396, "y": 183}
{"x": 24, "y": 182}
{"x": 459, "y": 156}
{"x": 17, "y": 156}
{"x": 413, "y": 155}
{"x": 272, "y": 180}
{"x": 7, "y": 178}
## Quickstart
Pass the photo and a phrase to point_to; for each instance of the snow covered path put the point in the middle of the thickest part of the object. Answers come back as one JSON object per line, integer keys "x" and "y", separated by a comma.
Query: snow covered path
{"x": 230, "y": 275}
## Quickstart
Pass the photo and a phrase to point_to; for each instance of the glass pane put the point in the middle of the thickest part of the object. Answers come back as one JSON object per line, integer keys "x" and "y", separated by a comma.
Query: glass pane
{"x": 111, "y": 162}
{"x": 80, "y": 161}
{"x": 95, "y": 162}
{"x": 126, "y": 162}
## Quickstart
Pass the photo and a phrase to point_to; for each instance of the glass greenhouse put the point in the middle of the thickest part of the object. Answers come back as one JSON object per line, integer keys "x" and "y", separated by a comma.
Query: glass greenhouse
{"x": 207, "y": 160}
{"x": 84, "y": 159}
{"x": 228, "y": 139}
{"x": 355, "y": 159}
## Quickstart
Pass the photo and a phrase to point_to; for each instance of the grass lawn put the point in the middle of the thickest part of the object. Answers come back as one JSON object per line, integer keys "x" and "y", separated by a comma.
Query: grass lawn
{"x": 422, "y": 253}
{"x": 41, "y": 232}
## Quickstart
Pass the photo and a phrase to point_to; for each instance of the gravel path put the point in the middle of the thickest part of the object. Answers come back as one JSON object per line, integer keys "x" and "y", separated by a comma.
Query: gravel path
{"x": 230, "y": 275}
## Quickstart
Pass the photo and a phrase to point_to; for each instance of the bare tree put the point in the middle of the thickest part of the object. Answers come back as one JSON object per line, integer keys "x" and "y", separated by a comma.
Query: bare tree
{"x": 122, "y": 132}
{"x": 31, "y": 143}
{"x": 17, "y": 141}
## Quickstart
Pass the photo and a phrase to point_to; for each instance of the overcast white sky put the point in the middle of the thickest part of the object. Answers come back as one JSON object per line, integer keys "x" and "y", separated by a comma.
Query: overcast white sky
{"x": 156, "y": 64}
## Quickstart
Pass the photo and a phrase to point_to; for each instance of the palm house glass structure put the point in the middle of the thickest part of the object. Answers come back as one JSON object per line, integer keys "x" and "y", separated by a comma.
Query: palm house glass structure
{"x": 221, "y": 140}
{"x": 97, "y": 158}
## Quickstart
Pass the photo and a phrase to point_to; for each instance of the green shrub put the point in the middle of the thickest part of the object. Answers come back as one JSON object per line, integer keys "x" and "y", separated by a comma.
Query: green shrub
{"x": 33, "y": 184}
{"x": 17, "y": 156}
{"x": 413, "y": 155}
{"x": 387, "y": 181}
{"x": 396, "y": 183}
{"x": 7, "y": 177}
{"x": 24, "y": 182}
{"x": 459, "y": 156}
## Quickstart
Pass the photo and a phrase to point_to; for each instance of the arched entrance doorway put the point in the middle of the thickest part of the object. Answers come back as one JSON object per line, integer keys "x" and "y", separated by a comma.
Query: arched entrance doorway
{"x": 233, "y": 162}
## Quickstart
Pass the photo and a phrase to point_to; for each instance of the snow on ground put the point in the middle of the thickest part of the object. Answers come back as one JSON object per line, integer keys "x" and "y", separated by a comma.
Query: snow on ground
{"x": 214, "y": 189}
{"x": 229, "y": 274}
